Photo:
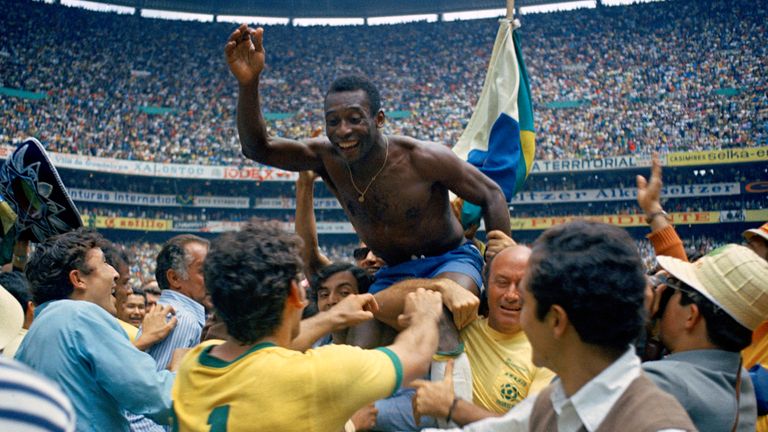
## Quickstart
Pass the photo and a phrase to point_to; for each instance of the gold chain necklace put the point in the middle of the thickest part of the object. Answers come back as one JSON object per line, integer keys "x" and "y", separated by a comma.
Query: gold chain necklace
{"x": 362, "y": 193}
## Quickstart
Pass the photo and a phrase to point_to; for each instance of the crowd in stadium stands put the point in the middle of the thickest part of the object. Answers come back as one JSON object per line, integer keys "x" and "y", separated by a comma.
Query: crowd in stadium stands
{"x": 676, "y": 76}
{"x": 143, "y": 254}
{"x": 195, "y": 214}
{"x": 672, "y": 76}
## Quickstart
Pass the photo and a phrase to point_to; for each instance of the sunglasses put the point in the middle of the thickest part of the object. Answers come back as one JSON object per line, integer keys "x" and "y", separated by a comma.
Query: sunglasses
{"x": 670, "y": 282}
{"x": 360, "y": 253}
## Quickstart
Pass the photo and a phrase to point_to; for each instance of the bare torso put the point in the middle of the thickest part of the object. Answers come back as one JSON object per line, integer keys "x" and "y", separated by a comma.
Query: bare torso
{"x": 404, "y": 213}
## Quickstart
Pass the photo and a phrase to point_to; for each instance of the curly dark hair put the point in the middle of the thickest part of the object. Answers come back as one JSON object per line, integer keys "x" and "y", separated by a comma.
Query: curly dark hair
{"x": 364, "y": 280}
{"x": 248, "y": 274}
{"x": 357, "y": 82}
{"x": 594, "y": 272}
{"x": 49, "y": 267}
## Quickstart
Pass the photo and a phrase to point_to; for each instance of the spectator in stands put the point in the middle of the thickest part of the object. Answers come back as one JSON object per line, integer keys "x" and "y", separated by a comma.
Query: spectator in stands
{"x": 16, "y": 284}
{"x": 76, "y": 342}
{"x": 499, "y": 353}
{"x": 600, "y": 65}
{"x": 582, "y": 307}
{"x": 708, "y": 311}
{"x": 252, "y": 278}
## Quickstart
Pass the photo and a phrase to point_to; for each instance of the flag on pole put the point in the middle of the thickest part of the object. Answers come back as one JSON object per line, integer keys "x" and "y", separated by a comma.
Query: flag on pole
{"x": 500, "y": 138}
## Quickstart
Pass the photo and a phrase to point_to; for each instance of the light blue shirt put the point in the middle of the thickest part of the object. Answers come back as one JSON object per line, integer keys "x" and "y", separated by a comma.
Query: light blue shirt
{"x": 81, "y": 347}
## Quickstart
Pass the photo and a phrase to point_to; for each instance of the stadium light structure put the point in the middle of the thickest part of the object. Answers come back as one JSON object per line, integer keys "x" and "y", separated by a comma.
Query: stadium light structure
{"x": 328, "y": 12}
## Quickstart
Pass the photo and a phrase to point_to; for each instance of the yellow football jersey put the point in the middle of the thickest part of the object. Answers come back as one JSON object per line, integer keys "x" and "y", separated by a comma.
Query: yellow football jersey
{"x": 502, "y": 371}
{"x": 130, "y": 329}
{"x": 270, "y": 388}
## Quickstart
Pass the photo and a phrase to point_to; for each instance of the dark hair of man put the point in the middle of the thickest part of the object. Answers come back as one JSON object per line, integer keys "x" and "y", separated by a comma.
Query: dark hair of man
{"x": 139, "y": 292}
{"x": 722, "y": 330}
{"x": 15, "y": 283}
{"x": 149, "y": 289}
{"x": 49, "y": 267}
{"x": 248, "y": 274}
{"x": 174, "y": 256}
{"x": 594, "y": 272}
{"x": 364, "y": 280}
{"x": 116, "y": 256}
{"x": 357, "y": 82}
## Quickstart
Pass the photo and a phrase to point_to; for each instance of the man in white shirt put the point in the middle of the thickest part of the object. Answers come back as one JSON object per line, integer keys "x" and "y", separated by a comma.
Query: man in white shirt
{"x": 582, "y": 306}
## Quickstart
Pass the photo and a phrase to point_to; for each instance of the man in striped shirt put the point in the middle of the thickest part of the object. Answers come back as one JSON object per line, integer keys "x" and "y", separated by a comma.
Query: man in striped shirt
{"x": 30, "y": 402}
{"x": 179, "y": 275}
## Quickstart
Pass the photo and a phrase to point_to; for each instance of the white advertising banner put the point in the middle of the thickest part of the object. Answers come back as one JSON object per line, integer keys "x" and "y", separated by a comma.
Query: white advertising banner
{"x": 290, "y": 203}
{"x": 156, "y": 200}
{"x": 623, "y": 194}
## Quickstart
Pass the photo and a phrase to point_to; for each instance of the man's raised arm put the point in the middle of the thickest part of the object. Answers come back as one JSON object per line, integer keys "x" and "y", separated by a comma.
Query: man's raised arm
{"x": 245, "y": 55}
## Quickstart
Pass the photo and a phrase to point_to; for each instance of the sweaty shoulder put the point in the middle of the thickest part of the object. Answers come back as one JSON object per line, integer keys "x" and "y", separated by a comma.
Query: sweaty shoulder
{"x": 431, "y": 159}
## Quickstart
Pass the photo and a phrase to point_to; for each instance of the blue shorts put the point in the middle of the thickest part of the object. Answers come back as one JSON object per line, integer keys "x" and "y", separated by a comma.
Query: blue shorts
{"x": 465, "y": 259}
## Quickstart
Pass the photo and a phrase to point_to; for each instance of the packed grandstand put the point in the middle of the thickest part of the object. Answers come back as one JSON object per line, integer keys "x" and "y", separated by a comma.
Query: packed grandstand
{"x": 138, "y": 114}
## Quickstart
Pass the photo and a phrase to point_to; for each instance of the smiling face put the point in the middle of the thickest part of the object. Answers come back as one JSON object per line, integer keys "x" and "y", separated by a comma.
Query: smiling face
{"x": 335, "y": 288}
{"x": 367, "y": 260}
{"x": 133, "y": 309}
{"x": 349, "y": 123}
{"x": 98, "y": 286}
{"x": 504, "y": 305}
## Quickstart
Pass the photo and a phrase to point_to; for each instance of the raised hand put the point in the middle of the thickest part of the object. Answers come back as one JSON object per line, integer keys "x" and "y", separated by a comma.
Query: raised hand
{"x": 497, "y": 241}
{"x": 649, "y": 191}
{"x": 245, "y": 53}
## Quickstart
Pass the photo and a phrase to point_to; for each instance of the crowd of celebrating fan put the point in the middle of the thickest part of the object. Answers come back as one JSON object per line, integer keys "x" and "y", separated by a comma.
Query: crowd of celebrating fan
{"x": 680, "y": 75}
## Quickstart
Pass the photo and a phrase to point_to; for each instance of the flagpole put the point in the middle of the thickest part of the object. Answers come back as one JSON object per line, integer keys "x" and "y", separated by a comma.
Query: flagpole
{"x": 510, "y": 9}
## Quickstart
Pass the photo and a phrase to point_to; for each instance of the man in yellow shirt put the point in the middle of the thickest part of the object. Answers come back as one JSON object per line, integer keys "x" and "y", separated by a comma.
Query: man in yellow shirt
{"x": 254, "y": 381}
{"x": 499, "y": 353}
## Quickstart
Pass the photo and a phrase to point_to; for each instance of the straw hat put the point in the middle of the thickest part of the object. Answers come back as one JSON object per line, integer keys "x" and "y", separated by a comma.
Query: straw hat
{"x": 762, "y": 232}
{"x": 11, "y": 317}
{"x": 733, "y": 277}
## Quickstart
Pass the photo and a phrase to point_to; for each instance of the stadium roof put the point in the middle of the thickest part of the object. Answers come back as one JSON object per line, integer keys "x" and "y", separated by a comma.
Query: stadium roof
{"x": 321, "y": 8}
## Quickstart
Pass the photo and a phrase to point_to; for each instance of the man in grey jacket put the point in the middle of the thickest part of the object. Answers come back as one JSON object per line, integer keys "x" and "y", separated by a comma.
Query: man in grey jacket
{"x": 707, "y": 313}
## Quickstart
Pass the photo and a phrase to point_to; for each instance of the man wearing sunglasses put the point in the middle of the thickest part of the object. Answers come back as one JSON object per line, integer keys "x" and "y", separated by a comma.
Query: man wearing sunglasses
{"x": 707, "y": 313}
{"x": 367, "y": 260}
